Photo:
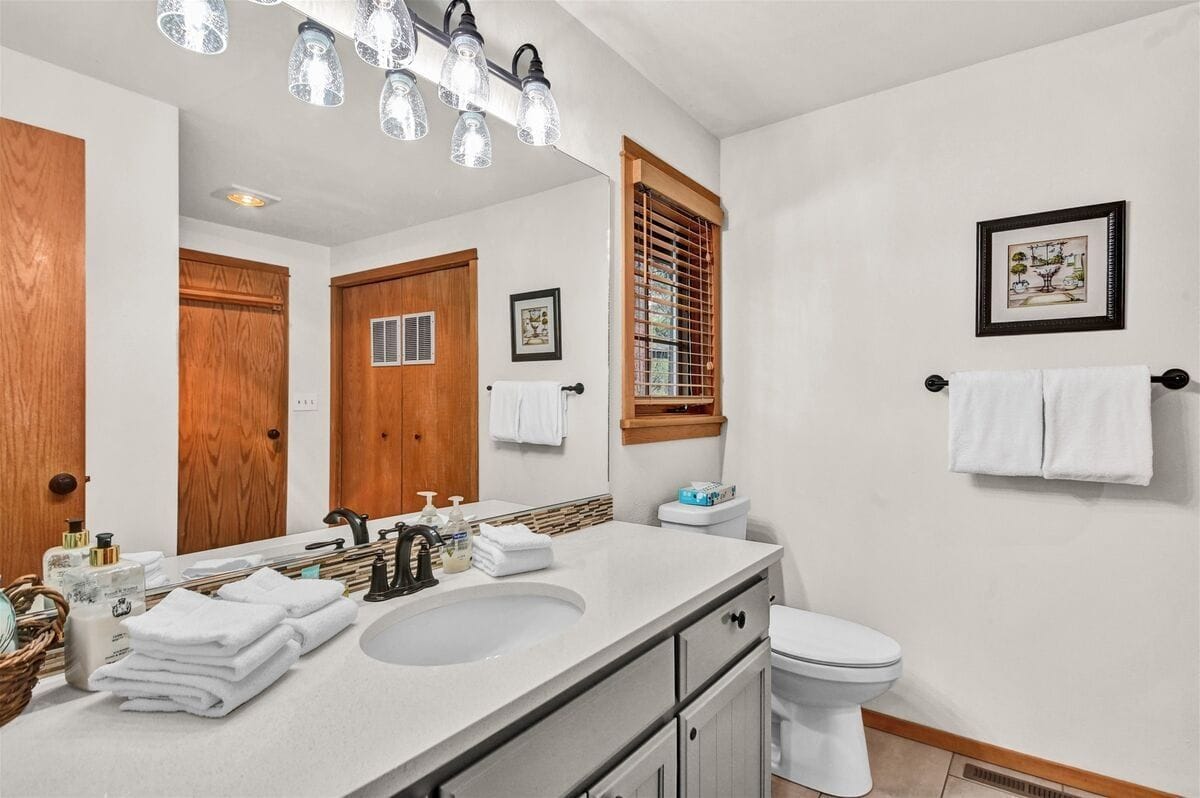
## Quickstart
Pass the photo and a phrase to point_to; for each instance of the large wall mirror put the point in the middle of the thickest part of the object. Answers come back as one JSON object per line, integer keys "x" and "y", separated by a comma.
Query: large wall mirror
{"x": 254, "y": 310}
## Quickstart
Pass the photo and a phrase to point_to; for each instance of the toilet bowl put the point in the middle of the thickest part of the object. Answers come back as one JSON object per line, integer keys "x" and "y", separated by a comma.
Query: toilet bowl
{"x": 823, "y": 669}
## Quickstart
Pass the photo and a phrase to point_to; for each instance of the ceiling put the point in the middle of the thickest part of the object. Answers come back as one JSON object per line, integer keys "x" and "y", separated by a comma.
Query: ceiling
{"x": 735, "y": 66}
{"x": 339, "y": 177}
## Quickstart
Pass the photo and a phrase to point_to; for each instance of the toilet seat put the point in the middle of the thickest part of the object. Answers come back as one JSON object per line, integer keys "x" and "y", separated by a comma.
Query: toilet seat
{"x": 828, "y": 642}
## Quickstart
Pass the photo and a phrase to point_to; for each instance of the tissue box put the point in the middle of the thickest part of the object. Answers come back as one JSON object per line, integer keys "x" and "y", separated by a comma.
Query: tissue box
{"x": 707, "y": 495}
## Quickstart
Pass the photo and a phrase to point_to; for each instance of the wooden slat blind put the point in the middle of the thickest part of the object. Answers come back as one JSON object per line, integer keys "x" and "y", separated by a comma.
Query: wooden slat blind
{"x": 674, "y": 316}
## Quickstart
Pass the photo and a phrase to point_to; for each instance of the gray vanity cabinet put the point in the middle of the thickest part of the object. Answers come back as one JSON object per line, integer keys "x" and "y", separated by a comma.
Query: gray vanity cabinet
{"x": 724, "y": 747}
{"x": 652, "y": 771}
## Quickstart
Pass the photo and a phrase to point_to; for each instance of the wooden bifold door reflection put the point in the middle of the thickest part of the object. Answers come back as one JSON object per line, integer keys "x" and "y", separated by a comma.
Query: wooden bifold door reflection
{"x": 233, "y": 394}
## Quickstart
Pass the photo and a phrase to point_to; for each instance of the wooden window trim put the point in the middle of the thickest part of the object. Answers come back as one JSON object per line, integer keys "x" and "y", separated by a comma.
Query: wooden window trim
{"x": 638, "y": 165}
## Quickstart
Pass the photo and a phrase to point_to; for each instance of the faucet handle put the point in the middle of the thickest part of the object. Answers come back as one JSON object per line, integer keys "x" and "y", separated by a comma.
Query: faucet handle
{"x": 383, "y": 533}
{"x": 424, "y": 563}
{"x": 337, "y": 544}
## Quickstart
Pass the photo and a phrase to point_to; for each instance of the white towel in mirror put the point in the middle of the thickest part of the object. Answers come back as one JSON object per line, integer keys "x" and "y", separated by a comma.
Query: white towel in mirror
{"x": 528, "y": 412}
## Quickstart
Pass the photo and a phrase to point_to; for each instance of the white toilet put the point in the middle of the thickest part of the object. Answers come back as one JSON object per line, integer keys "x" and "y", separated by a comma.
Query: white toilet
{"x": 823, "y": 669}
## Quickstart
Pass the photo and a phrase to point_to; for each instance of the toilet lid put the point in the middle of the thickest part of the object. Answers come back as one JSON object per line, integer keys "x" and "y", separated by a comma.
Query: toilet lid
{"x": 826, "y": 640}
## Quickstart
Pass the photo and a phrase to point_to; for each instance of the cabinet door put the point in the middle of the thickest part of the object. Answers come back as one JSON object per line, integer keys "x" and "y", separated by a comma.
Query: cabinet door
{"x": 649, "y": 772}
{"x": 724, "y": 748}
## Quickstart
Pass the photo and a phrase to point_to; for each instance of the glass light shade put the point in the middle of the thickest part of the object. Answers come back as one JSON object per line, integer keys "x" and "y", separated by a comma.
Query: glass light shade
{"x": 537, "y": 115}
{"x": 314, "y": 70}
{"x": 471, "y": 144}
{"x": 464, "y": 82}
{"x": 201, "y": 26}
{"x": 383, "y": 33}
{"x": 401, "y": 108}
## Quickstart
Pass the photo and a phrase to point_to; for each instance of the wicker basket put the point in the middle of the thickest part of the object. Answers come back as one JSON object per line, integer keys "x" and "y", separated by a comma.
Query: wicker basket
{"x": 36, "y": 634}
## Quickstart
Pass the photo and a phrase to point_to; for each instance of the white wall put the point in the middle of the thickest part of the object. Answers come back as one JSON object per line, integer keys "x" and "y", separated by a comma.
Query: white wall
{"x": 308, "y": 353}
{"x": 132, "y": 273}
{"x": 557, "y": 238}
{"x": 1055, "y": 618}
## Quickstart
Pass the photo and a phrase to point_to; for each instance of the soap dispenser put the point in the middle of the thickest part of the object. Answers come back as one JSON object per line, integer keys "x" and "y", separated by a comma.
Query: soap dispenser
{"x": 71, "y": 554}
{"x": 456, "y": 551}
{"x": 429, "y": 514}
{"x": 101, "y": 593}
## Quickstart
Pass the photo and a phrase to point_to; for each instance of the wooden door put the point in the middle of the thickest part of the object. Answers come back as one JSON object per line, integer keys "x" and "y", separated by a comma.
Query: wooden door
{"x": 233, "y": 394}
{"x": 399, "y": 429}
{"x": 724, "y": 745}
{"x": 649, "y": 772}
{"x": 42, "y": 207}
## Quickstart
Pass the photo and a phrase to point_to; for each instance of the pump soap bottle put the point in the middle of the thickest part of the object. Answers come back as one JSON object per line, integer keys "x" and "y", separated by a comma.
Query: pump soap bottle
{"x": 456, "y": 551}
{"x": 71, "y": 554}
{"x": 102, "y": 593}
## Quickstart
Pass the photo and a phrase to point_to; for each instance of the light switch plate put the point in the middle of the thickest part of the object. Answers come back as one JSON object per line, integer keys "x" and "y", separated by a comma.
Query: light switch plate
{"x": 304, "y": 402}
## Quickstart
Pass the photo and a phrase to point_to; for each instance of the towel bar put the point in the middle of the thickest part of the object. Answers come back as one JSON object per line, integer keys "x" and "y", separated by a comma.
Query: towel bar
{"x": 577, "y": 388}
{"x": 1171, "y": 378}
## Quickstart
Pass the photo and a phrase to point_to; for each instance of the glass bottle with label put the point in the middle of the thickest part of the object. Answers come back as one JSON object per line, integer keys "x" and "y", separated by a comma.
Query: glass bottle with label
{"x": 73, "y": 553}
{"x": 102, "y": 593}
{"x": 457, "y": 543}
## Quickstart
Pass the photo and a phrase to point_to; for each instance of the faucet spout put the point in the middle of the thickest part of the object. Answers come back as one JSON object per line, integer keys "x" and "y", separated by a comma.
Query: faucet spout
{"x": 356, "y": 522}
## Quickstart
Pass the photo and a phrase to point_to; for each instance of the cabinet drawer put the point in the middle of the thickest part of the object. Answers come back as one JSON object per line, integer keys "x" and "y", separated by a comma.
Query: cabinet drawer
{"x": 711, "y": 643}
{"x": 550, "y": 758}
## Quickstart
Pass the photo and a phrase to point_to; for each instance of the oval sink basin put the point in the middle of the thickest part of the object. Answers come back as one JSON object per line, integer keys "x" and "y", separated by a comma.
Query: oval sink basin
{"x": 472, "y": 624}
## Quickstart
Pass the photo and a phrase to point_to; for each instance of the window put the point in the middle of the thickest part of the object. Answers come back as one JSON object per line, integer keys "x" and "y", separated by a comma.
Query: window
{"x": 672, "y": 362}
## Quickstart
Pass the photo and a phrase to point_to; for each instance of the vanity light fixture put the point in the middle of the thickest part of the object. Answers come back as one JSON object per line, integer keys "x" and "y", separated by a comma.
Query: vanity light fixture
{"x": 537, "y": 113}
{"x": 201, "y": 26}
{"x": 464, "y": 81}
{"x": 314, "y": 70}
{"x": 471, "y": 144}
{"x": 383, "y": 33}
{"x": 401, "y": 108}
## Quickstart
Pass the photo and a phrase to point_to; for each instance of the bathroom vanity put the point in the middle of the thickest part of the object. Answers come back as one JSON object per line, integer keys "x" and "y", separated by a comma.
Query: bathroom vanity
{"x": 655, "y": 678}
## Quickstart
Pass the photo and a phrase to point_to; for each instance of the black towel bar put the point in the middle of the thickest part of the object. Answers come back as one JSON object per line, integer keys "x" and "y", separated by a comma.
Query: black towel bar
{"x": 1171, "y": 378}
{"x": 576, "y": 388}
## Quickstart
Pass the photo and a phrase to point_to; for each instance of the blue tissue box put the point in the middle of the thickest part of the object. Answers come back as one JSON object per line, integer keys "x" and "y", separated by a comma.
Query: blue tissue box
{"x": 707, "y": 495}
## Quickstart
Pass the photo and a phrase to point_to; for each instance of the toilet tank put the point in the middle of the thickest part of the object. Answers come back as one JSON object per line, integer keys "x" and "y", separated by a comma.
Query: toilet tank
{"x": 727, "y": 519}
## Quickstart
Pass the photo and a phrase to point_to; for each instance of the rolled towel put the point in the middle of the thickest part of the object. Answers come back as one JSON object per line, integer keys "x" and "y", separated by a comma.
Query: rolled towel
{"x": 298, "y": 597}
{"x": 514, "y": 537}
{"x": 231, "y": 668}
{"x": 316, "y": 628}
{"x": 210, "y": 567}
{"x": 191, "y": 622}
{"x": 205, "y": 696}
{"x": 497, "y": 562}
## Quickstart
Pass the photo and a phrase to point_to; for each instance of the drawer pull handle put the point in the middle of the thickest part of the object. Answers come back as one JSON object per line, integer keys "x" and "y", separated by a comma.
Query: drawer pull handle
{"x": 739, "y": 618}
{"x": 692, "y": 734}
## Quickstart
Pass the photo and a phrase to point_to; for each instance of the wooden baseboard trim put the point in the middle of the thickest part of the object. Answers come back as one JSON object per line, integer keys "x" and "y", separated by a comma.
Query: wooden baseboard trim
{"x": 1004, "y": 757}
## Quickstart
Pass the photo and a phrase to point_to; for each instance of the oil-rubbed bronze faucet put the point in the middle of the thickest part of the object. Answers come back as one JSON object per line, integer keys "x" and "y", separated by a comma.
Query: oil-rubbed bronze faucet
{"x": 358, "y": 523}
{"x": 403, "y": 582}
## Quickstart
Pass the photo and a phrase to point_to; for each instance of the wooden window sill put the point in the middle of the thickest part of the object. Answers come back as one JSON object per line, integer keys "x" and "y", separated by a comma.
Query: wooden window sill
{"x": 671, "y": 428}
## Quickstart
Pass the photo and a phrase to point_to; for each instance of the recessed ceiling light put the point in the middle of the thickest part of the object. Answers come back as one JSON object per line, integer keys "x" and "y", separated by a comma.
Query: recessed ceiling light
{"x": 245, "y": 200}
{"x": 245, "y": 197}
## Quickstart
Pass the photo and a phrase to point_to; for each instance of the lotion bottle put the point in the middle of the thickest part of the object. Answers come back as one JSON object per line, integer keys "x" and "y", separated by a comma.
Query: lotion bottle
{"x": 102, "y": 593}
{"x": 71, "y": 554}
{"x": 456, "y": 549}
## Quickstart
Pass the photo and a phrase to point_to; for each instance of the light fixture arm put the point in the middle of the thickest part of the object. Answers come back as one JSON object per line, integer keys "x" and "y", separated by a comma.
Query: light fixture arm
{"x": 466, "y": 23}
{"x": 440, "y": 36}
{"x": 536, "y": 72}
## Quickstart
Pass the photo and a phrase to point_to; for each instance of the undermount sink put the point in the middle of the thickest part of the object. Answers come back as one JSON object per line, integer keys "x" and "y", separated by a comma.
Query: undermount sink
{"x": 476, "y": 623}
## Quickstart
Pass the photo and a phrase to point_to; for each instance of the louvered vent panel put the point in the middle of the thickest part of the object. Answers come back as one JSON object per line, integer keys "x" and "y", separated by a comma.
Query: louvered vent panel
{"x": 419, "y": 338}
{"x": 385, "y": 341}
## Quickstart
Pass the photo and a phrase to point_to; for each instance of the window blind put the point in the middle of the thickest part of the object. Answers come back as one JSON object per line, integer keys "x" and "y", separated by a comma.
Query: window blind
{"x": 674, "y": 307}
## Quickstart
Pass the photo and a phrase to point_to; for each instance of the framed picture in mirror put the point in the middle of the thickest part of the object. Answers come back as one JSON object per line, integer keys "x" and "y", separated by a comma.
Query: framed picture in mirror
{"x": 535, "y": 326}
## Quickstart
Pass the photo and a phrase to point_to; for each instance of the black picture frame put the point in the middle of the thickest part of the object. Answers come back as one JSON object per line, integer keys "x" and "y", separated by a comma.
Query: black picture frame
{"x": 1113, "y": 317}
{"x": 550, "y": 294}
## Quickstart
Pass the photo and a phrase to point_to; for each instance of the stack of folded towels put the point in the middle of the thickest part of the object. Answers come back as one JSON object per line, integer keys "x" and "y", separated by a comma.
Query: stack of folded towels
{"x": 152, "y": 564}
{"x": 506, "y": 550}
{"x": 192, "y": 653}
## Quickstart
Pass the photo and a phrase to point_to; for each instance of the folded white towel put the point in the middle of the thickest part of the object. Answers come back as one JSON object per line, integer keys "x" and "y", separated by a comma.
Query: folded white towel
{"x": 190, "y": 621}
{"x": 159, "y": 579}
{"x": 1098, "y": 425}
{"x": 298, "y": 597}
{"x": 146, "y": 559}
{"x": 505, "y": 410}
{"x": 514, "y": 537}
{"x": 234, "y": 667}
{"x": 205, "y": 696}
{"x": 497, "y": 562}
{"x": 210, "y": 567}
{"x": 996, "y": 422}
{"x": 316, "y": 628}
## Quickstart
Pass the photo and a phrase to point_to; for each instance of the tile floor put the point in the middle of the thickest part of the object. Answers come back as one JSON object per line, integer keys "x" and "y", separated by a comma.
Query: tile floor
{"x": 902, "y": 768}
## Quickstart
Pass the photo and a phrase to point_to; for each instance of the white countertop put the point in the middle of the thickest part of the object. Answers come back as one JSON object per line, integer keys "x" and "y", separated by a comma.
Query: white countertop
{"x": 341, "y": 722}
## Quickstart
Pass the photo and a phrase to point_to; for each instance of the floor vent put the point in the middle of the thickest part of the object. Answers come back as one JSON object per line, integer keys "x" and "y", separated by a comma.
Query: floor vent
{"x": 1010, "y": 783}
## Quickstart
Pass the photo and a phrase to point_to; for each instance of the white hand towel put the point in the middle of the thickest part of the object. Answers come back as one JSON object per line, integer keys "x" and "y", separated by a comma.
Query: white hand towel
{"x": 542, "y": 413}
{"x": 1098, "y": 425}
{"x": 505, "y": 411}
{"x": 159, "y": 579}
{"x": 497, "y": 562}
{"x": 234, "y": 667}
{"x": 199, "y": 695}
{"x": 298, "y": 597}
{"x": 146, "y": 559}
{"x": 996, "y": 423}
{"x": 187, "y": 620}
{"x": 210, "y": 567}
{"x": 323, "y": 624}
{"x": 514, "y": 537}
